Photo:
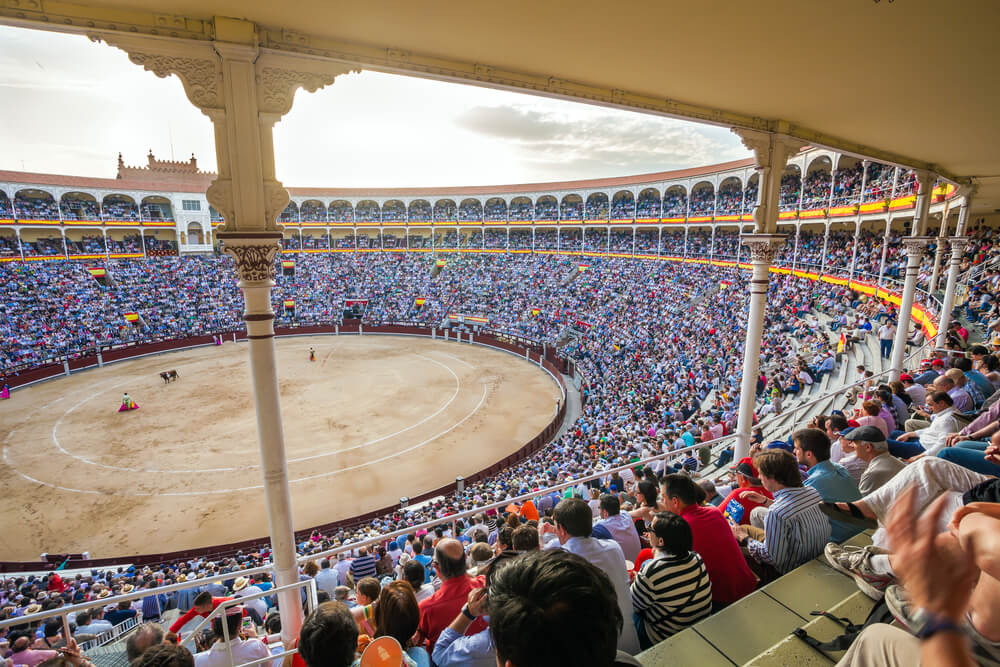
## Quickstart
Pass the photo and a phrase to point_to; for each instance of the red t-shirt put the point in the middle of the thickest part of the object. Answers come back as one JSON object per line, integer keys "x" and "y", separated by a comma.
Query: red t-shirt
{"x": 737, "y": 508}
{"x": 439, "y": 610}
{"x": 713, "y": 540}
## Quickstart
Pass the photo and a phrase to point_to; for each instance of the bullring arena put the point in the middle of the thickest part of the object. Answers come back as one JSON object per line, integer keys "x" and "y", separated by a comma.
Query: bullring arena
{"x": 374, "y": 417}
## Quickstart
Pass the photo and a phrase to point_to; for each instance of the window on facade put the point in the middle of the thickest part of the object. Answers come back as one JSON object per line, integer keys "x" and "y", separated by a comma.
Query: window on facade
{"x": 191, "y": 205}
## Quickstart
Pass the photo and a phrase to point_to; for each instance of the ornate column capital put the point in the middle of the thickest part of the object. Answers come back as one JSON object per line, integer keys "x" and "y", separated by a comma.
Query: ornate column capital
{"x": 770, "y": 149}
{"x": 763, "y": 247}
{"x": 958, "y": 245}
{"x": 915, "y": 245}
{"x": 253, "y": 253}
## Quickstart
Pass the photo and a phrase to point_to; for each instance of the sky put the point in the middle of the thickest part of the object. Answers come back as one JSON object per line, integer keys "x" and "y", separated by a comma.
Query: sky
{"x": 70, "y": 106}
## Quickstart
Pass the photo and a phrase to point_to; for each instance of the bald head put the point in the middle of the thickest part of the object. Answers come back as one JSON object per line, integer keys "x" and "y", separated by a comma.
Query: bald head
{"x": 944, "y": 383}
{"x": 450, "y": 559}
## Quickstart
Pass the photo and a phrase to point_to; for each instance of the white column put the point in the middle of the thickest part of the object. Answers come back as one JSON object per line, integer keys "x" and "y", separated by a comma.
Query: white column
{"x": 763, "y": 248}
{"x": 795, "y": 248}
{"x": 958, "y": 244}
{"x": 914, "y": 246}
{"x": 885, "y": 250}
{"x": 854, "y": 249}
{"x": 822, "y": 257}
{"x": 771, "y": 152}
{"x": 939, "y": 253}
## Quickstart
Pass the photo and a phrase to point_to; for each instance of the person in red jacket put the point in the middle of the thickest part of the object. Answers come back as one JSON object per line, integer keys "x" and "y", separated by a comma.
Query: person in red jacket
{"x": 728, "y": 571}
{"x": 204, "y": 603}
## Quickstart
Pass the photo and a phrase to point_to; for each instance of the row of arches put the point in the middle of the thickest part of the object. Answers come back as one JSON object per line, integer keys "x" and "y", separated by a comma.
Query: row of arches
{"x": 819, "y": 188}
{"x": 35, "y": 204}
{"x": 67, "y": 243}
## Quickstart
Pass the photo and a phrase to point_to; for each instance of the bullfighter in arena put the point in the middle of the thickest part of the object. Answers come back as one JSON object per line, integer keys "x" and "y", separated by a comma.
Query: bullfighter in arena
{"x": 312, "y": 354}
{"x": 128, "y": 403}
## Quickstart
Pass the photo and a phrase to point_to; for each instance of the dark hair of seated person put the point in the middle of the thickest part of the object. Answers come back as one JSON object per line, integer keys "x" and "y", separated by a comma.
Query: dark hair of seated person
{"x": 329, "y": 636}
{"x": 553, "y": 608}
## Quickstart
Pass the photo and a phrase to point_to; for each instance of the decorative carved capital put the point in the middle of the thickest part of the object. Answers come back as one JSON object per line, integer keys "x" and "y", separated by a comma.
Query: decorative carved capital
{"x": 958, "y": 244}
{"x": 916, "y": 245}
{"x": 769, "y": 148}
{"x": 276, "y": 198}
{"x": 195, "y": 63}
{"x": 763, "y": 247}
{"x": 280, "y": 75}
{"x": 253, "y": 253}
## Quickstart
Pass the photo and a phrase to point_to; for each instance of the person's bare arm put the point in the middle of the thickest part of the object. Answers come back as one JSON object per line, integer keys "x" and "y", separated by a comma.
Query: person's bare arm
{"x": 946, "y": 649}
{"x": 979, "y": 535}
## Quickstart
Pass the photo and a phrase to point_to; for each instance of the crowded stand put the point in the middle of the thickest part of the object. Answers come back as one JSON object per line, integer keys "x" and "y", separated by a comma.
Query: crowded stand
{"x": 521, "y": 210}
{"x": 674, "y": 203}
{"x": 470, "y": 210}
{"x": 6, "y": 210}
{"x": 702, "y": 201}
{"x": 730, "y": 199}
{"x": 342, "y": 211}
{"x": 120, "y": 209}
{"x": 661, "y": 355}
{"x": 623, "y": 206}
{"x": 791, "y": 188}
{"x": 35, "y": 208}
{"x": 78, "y": 208}
{"x": 847, "y": 185}
{"x": 597, "y": 207}
{"x": 494, "y": 210}
{"x": 571, "y": 209}
{"x": 546, "y": 209}
{"x": 816, "y": 190}
{"x": 648, "y": 204}
{"x": 445, "y": 211}
{"x": 156, "y": 211}
{"x": 313, "y": 211}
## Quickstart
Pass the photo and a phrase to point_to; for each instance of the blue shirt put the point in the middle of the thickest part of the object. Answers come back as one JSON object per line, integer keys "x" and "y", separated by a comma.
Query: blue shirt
{"x": 835, "y": 485}
{"x": 452, "y": 648}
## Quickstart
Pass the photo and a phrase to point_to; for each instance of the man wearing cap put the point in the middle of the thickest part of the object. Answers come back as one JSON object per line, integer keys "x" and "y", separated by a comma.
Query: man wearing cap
{"x": 931, "y": 369}
{"x": 737, "y": 506}
{"x": 872, "y": 447}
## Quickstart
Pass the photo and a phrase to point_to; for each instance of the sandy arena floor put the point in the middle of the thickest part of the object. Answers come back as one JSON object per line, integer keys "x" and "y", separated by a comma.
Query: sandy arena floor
{"x": 374, "y": 418}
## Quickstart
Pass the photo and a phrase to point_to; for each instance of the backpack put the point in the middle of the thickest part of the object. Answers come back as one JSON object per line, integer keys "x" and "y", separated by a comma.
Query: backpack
{"x": 879, "y": 614}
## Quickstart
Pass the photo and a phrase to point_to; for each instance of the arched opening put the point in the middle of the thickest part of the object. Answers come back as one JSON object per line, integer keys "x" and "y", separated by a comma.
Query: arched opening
{"x": 41, "y": 243}
{"x": 289, "y": 239}
{"x": 546, "y": 209}
{"x": 839, "y": 248}
{"x": 520, "y": 240}
{"x": 598, "y": 207}
{"x": 445, "y": 210}
{"x": 791, "y": 186}
{"x": 471, "y": 238}
{"x": 35, "y": 205}
{"x": 84, "y": 242}
{"x": 750, "y": 193}
{"x": 8, "y": 238}
{"x": 156, "y": 209}
{"x": 446, "y": 238}
{"x": 646, "y": 239}
{"x": 312, "y": 210}
{"x": 341, "y": 211}
{"x": 699, "y": 242}
{"x": 545, "y": 239}
{"x": 847, "y": 181}
{"x": 393, "y": 211}
{"x": 623, "y": 206}
{"x": 675, "y": 202}
{"x": 342, "y": 238}
{"x": 649, "y": 204}
{"x": 496, "y": 239}
{"x": 570, "y": 240}
{"x": 521, "y": 209}
{"x": 6, "y": 210}
{"x": 727, "y": 240}
{"x": 672, "y": 243}
{"x": 571, "y": 208}
{"x": 595, "y": 239}
{"x": 290, "y": 216}
{"x": 393, "y": 238}
{"x": 315, "y": 239}
{"x": 195, "y": 235}
{"x": 124, "y": 242}
{"x": 621, "y": 241}
{"x": 730, "y": 198}
{"x": 420, "y": 210}
{"x": 816, "y": 185}
{"x": 79, "y": 206}
{"x": 120, "y": 208}
{"x": 470, "y": 210}
{"x": 878, "y": 182}
{"x": 367, "y": 211}
{"x": 495, "y": 210}
{"x": 702, "y": 199}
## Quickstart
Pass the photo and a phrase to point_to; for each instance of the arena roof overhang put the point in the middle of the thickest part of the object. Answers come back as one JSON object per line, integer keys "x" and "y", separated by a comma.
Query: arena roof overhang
{"x": 911, "y": 82}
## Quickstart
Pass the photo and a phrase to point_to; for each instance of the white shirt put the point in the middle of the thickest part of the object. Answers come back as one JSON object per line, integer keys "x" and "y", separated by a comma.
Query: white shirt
{"x": 326, "y": 580}
{"x": 918, "y": 393}
{"x": 934, "y": 437}
{"x": 608, "y": 556}
{"x": 886, "y": 332}
{"x": 257, "y": 604}
{"x": 243, "y": 651}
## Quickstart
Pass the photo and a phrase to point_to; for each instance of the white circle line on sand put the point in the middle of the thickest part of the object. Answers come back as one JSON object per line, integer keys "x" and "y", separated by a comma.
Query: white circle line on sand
{"x": 257, "y": 486}
{"x": 83, "y": 459}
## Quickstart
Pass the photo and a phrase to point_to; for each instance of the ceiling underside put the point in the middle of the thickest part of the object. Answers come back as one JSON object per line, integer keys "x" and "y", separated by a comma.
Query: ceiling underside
{"x": 910, "y": 81}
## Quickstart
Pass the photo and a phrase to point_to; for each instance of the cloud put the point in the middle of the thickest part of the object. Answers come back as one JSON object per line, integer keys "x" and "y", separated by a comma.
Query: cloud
{"x": 600, "y": 142}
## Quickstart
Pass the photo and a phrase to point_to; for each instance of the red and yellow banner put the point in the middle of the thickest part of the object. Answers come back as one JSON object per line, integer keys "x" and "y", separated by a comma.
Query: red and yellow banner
{"x": 420, "y": 301}
{"x": 97, "y": 272}
{"x": 289, "y": 304}
{"x": 873, "y": 207}
{"x": 131, "y": 317}
{"x": 288, "y": 263}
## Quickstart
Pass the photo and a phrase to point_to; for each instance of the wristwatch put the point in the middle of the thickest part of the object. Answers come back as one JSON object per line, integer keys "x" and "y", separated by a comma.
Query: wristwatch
{"x": 936, "y": 624}
{"x": 467, "y": 613}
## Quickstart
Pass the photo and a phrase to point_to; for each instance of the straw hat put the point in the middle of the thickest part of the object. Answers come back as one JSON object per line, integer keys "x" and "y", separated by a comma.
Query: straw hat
{"x": 240, "y": 584}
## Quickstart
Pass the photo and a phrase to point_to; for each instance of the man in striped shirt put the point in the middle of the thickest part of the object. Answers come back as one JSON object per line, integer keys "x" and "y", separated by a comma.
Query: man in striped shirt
{"x": 363, "y": 566}
{"x": 672, "y": 591}
{"x": 794, "y": 530}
